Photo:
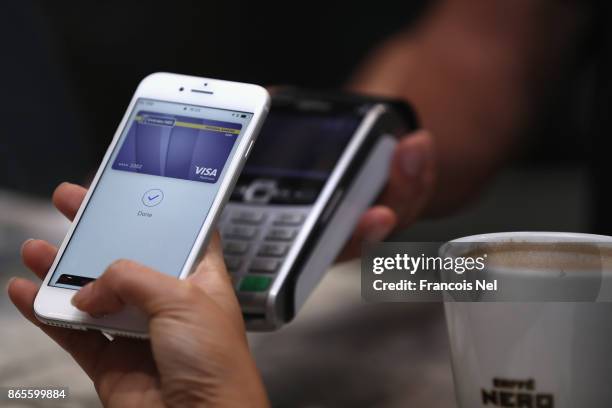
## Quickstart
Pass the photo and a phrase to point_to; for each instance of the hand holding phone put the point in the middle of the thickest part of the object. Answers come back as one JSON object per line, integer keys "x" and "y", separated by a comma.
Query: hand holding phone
{"x": 158, "y": 192}
{"x": 200, "y": 323}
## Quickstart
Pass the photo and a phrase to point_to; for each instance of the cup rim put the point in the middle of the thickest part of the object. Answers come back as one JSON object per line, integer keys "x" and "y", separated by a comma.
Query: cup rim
{"x": 533, "y": 236}
{"x": 523, "y": 236}
{"x": 543, "y": 276}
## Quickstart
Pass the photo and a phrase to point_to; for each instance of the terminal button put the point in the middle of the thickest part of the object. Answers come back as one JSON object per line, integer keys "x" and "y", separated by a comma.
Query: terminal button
{"x": 255, "y": 283}
{"x": 289, "y": 219}
{"x": 281, "y": 234}
{"x": 248, "y": 217}
{"x": 272, "y": 249}
{"x": 264, "y": 265}
{"x": 235, "y": 248}
{"x": 240, "y": 232}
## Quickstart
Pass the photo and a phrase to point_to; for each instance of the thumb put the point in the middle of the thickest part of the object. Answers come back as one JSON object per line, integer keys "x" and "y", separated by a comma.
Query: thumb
{"x": 412, "y": 178}
{"x": 212, "y": 277}
{"x": 130, "y": 283}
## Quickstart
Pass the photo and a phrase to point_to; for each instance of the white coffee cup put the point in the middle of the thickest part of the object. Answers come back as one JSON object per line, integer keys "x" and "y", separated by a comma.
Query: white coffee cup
{"x": 531, "y": 354}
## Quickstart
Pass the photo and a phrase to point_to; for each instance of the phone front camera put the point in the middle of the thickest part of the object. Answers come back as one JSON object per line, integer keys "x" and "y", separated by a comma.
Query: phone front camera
{"x": 181, "y": 89}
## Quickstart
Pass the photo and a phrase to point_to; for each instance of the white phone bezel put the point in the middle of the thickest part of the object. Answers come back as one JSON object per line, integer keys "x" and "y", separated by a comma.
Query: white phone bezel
{"x": 52, "y": 304}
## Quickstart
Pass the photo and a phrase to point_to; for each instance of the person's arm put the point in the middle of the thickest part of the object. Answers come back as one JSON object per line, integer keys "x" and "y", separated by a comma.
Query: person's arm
{"x": 476, "y": 71}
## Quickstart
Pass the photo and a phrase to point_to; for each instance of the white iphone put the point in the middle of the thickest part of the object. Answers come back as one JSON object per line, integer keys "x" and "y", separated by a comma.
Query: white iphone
{"x": 169, "y": 170}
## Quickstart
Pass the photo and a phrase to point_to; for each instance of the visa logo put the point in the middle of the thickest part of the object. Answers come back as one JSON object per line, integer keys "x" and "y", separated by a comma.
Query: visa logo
{"x": 205, "y": 171}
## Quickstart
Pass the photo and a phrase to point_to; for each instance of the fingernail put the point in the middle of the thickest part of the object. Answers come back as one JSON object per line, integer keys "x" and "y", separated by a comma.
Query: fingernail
{"x": 412, "y": 161}
{"x": 27, "y": 241}
{"x": 10, "y": 281}
{"x": 81, "y": 295}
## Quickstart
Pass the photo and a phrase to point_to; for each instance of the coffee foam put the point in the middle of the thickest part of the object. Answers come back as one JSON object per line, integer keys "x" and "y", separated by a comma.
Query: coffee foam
{"x": 566, "y": 256}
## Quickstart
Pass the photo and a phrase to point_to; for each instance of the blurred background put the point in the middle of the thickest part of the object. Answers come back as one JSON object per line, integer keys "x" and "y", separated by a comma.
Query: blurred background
{"x": 67, "y": 74}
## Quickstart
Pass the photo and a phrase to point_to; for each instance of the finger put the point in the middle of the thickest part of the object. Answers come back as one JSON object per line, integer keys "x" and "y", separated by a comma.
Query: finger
{"x": 211, "y": 275}
{"x": 68, "y": 197}
{"x": 375, "y": 225}
{"x": 130, "y": 283}
{"x": 411, "y": 178}
{"x": 84, "y": 347}
{"x": 38, "y": 255}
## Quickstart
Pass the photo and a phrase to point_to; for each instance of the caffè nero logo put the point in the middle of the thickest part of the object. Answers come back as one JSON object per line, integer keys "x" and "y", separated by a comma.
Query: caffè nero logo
{"x": 511, "y": 393}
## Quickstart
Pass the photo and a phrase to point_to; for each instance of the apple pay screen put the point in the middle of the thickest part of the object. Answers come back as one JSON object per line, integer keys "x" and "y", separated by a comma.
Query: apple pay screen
{"x": 155, "y": 192}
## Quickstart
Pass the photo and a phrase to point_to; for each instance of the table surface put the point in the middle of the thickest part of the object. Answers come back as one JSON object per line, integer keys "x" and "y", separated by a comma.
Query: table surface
{"x": 339, "y": 351}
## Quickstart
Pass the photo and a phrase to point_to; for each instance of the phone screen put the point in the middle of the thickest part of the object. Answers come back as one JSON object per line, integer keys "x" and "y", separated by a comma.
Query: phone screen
{"x": 155, "y": 191}
{"x": 298, "y": 150}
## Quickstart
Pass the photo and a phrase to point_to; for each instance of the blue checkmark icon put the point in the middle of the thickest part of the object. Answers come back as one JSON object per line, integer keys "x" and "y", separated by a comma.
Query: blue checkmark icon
{"x": 152, "y": 197}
